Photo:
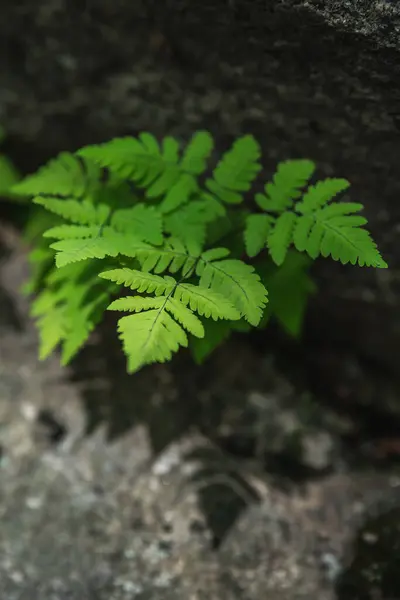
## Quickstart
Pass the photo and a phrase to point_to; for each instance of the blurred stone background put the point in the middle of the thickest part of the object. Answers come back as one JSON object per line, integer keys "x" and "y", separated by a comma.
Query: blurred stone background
{"x": 83, "y": 517}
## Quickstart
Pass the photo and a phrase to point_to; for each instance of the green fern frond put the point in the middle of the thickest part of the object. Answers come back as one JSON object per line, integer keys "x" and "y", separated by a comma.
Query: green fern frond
{"x": 256, "y": 233}
{"x": 141, "y": 160}
{"x": 289, "y": 288}
{"x": 39, "y": 222}
{"x": 335, "y": 231}
{"x": 236, "y": 171}
{"x": 140, "y": 281}
{"x": 197, "y": 153}
{"x": 145, "y": 222}
{"x": 52, "y": 329}
{"x": 181, "y": 300}
{"x": 81, "y": 324}
{"x": 185, "y": 317}
{"x": 237, "y": 281}
{"x": 74, "y": 250}
{"x": 137, "y": 303}
{"x": 153, "y": 335}
{"x": 192, "y": 164}
{"x": 215, "y": 254}
{"x": 206, "y": 302}
{"x": 189, "y": 224}
{"x": 290, "y": 177}
{"x": 117, "y": 194}
{"x": 65, "y": 175}
{"x": 135, "y": 202}
{"x": 280, "y": 236}
{"x": 150, "y": 336}
{"x": 179, "y": 193}
{"x": 155, "y": 169}
{"x": 74, "y": 305}
{"x": 69, "y": 274}
{"x": 44, "y": 303}
{"x": 321, "y": 193}
{"x": 173, "y": 256}
{"x": 66, "y": 232}
{"x": 106, "y": 243}
{"x": 215, "y": 333}
{"x": 40, "y": 261}
{"x": 310, "y": 223}
{"x": 82, "y": 212}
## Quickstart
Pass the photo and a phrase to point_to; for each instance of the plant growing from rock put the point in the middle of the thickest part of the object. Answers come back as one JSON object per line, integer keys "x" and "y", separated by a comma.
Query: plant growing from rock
{"x": 186, "y": 253}
{"x": 8, "y": 172}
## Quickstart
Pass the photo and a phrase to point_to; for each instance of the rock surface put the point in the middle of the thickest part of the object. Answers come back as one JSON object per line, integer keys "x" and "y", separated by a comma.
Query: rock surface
{"x": 375, "y": 569}
{"x": 145, "y": 515}
{"x": 163, "y": 510}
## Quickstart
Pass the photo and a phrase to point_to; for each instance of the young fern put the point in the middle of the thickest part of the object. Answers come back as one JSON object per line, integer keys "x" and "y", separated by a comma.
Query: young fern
{"x": 63, "y": 176}
{"x": 309, "y": 221}
{"x": 138, "y": 215}
{"x": 161, "y": 323}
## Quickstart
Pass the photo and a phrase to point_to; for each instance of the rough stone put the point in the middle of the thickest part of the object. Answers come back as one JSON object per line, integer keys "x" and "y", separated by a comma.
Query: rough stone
{"x": 85, "y": 517}
{"x": 374, "y": 569}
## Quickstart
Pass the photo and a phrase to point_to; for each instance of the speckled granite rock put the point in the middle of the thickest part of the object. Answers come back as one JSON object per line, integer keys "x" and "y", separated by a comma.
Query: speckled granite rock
{"x": 374, "y": 571}
{"x": 377, "y": 19}
{"x": 315, "y": 79}
{"x": 87, "y": 518}
{"x": 84, "y": 517}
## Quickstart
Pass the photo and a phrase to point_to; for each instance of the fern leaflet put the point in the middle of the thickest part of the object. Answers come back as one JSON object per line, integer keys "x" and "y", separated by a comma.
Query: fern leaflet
{"x": 106, "y": 243}
{"x": 197, "y": 152}
{"x": 65, "y": 175}
{"x": 290, "y": 177}
{"x": 140, "y": 281}
{"x": 83, "y": 212}
{"x": 237, "y": 281}
{"x": 206, "y": 302}
{"x": 68, "y": 309}
{"x": 189, "y": 224}
{"x": 256, "y": 233}
{"x": 143, "y": 221}
{"x": 172, "y": 256}
{"x": 70, "y": 232}
{"x": 179, "y": 299}
{"x": 236, "y": 171}
{"x": 280, "y": 236}
{"x": 310, "y": 223}
{"x": 156, "y": 169}
{"x": 321, "y": 193}
{"x": 150, "y": 336}
{"x": 335, "y": 231}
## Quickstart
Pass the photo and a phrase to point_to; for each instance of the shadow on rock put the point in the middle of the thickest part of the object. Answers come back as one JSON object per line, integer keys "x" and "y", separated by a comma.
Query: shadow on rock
{"x": 9, "y": 316}
{"x": 374, "y": 572}
{"x": 264, "y": 429}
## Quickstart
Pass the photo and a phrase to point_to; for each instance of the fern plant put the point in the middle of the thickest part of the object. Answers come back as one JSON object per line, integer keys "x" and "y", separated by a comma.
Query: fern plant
{"x": 8, "y": 173}
{"x": 186, "y": 252}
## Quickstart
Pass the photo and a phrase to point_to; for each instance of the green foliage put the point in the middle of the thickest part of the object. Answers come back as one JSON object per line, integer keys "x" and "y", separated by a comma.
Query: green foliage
{"x": 9, "y": 175}
{"x": 309, "y": 221}
{"x": 185, "y": 251}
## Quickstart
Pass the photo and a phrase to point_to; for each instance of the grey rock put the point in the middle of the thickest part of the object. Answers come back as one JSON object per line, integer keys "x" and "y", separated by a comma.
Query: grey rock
{"x": 86, "y": 517}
